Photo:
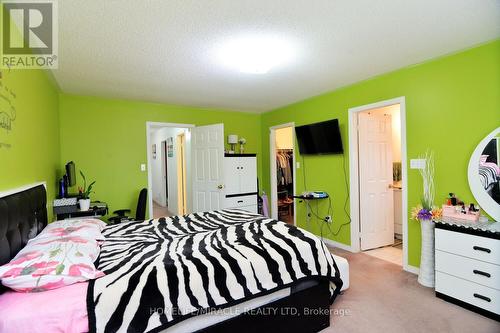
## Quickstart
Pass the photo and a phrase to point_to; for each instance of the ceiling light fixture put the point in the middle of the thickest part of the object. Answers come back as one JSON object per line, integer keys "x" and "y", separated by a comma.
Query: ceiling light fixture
{"x": 255, "y": 54}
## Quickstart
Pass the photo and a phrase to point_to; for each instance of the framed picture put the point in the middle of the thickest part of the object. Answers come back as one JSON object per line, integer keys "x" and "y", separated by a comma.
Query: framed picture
{"x": 154, "y": 151}
{"x": 170, "y": 147}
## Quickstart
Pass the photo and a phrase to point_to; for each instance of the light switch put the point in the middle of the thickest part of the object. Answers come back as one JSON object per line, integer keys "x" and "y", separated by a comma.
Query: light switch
{"x": 143, "y": 167}
{"x": 298, "y": 165}
{"x": 417, "y": 163}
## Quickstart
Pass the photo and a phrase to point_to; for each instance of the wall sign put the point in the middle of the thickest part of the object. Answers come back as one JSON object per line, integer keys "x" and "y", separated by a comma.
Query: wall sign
{"x": 170, "y": 147}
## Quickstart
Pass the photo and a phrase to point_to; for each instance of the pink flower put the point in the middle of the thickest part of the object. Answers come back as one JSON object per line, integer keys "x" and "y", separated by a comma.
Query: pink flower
{"x": 75, "y": 270}
{"x": 25, "y": 257}
{"x": 66, "y": 231}
{"x": 44, "y": 267}
{"x": 84, "y": 270}
{"x": 13, "y": 272}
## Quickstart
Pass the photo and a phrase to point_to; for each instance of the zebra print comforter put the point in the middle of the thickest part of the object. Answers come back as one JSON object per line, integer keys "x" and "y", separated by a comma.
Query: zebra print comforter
{"x": 162, "y": 271}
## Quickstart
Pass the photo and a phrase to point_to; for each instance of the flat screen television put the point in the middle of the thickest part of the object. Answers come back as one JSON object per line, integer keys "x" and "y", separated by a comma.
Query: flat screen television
{"x": 320, "y": 138}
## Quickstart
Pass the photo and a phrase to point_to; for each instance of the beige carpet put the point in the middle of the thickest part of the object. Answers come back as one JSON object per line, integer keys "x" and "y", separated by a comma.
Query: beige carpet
{"x": 383, "y": 298}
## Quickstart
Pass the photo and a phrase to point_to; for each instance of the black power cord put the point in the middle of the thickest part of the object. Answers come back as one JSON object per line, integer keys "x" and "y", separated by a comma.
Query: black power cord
{"x": 330, "y": 207}
{"x": 346, "y": 199}
{"x": 304, "y": 172}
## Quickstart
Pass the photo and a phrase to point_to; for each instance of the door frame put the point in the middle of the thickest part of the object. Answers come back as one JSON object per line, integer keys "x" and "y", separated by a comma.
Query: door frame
{"x": 164, "y": 148}
{"x": 181, "y": 174}
{"x": 149, "y": 129}
{"x": 274, "y": 183}
{"x": 354, "y": 174}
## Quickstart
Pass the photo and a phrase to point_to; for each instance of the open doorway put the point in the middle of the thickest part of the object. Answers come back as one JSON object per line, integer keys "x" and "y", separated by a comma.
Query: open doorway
{"x": 283, "y": 173}
{"x": 378, "y": 180}
{"x": 168, "y": 168}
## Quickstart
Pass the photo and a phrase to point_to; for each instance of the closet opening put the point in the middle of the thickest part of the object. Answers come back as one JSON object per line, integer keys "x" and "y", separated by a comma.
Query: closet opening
{"x": 283, "y": 173}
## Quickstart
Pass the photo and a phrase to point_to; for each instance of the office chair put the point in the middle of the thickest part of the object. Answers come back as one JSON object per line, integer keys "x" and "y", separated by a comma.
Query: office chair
{"x": 140, "y": 213}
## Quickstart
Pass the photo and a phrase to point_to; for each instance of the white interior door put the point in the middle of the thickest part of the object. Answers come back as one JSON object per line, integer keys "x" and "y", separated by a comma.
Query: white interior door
{"x": 375, "y": 180}
{"x": 207, "y": 144}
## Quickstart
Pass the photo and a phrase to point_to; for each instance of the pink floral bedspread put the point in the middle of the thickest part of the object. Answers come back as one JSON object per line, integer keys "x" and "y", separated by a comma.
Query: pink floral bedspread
{"x": 59, "y": 310}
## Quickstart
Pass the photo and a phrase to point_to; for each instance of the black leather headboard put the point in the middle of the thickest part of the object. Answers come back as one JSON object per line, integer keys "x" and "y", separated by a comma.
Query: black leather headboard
{"x": 23, "y": 215}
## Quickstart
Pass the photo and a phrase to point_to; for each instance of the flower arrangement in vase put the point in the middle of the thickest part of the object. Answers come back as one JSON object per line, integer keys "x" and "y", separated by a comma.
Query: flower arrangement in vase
{"x": 84, "y": 193}
{"x": 425, "y": 213}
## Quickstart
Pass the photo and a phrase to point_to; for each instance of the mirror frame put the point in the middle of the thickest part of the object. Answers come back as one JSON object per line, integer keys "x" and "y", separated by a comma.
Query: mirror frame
{"x": 484, "y": 200}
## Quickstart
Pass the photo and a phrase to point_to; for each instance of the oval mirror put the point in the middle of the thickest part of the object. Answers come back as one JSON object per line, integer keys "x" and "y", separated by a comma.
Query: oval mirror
{"x": 484, "y": 174}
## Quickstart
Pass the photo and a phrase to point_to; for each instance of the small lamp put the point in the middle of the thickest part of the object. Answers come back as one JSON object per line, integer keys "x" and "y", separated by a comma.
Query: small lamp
{"x": 232, "y": 140}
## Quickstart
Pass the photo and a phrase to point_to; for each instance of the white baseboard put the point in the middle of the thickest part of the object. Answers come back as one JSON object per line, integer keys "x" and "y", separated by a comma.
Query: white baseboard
{"x": 333, "y": 243}
{"x": 412, "y": 269}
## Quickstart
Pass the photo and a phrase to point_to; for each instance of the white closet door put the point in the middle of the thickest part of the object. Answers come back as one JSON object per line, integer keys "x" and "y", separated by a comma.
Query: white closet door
{"x": 248, "y": 172}
{"x": 375, "y": 180}
{"x": 207, "y": 144}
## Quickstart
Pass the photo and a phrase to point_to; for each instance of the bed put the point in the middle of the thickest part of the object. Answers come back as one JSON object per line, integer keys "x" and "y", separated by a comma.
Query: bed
{"x": 270, "y": 306}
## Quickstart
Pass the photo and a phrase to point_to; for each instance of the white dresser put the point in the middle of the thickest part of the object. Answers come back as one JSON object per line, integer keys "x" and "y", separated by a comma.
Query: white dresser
{"x": 240, "y": 181}
{"x": 468, "y": 265}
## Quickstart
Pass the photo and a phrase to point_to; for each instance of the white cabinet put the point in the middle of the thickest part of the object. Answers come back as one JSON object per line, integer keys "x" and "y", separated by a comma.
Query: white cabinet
{"x": 468, "y": 268}
{"x": 240, "y": 181}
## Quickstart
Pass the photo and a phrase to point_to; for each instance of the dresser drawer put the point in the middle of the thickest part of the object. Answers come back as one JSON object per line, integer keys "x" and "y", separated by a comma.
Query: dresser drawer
{"x": 243, "y": 201}
{"x": 469, "y": 292}
{"x": 251, "y": 209}
{"x": 469, "y": 269}
{"x": 475, "y": 247}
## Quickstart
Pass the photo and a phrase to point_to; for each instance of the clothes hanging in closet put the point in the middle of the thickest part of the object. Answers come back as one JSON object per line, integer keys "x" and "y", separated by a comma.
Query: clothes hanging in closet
{"x": 284, "y": 160}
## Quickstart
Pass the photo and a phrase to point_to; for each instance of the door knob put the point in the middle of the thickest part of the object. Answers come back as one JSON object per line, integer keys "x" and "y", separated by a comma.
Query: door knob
{"x": 220, "y": 186}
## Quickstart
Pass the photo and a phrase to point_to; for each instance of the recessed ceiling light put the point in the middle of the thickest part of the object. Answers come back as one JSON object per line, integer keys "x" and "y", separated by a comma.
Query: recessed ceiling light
{"x": 255, "y": 54}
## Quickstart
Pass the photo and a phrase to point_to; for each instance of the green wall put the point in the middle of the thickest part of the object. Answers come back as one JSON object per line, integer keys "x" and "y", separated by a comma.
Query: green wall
{"x": 107, "y": 139}
{"x": 451, "y": 104}
{"x": 29, "y": 152}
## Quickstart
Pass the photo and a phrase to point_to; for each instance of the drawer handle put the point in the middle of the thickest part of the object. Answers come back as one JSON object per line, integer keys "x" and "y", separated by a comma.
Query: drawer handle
{"x": 240, "y": 201}
{"x": 484, "y": 298}
{"x": 481, "y": 273}
{"x": 479, "y": 248}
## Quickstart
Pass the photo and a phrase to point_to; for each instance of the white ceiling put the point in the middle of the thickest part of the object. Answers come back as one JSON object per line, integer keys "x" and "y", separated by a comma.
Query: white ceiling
{"x": 162, "y": 51}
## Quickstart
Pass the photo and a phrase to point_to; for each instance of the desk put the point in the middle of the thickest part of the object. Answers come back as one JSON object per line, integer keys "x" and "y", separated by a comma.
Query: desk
{"x": 97, "y": 209}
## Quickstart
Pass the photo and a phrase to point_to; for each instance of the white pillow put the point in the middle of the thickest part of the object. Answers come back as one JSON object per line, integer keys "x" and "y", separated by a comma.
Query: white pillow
{"x": 86, "y": 228}
{"x": 52, "y": 262}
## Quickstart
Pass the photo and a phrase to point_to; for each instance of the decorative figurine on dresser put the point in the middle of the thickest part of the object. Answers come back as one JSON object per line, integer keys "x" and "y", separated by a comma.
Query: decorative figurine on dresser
{"x": 467, "y": 245}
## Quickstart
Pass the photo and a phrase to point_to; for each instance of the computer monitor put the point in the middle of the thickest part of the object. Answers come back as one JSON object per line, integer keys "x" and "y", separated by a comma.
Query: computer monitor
{"x": 70, "y": 174}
